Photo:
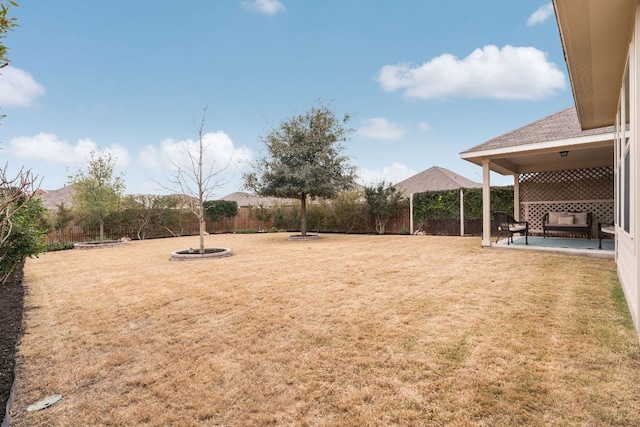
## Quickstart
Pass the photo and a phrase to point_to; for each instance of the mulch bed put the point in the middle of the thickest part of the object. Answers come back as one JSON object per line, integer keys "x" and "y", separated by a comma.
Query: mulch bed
{"x": 11, "y": 303}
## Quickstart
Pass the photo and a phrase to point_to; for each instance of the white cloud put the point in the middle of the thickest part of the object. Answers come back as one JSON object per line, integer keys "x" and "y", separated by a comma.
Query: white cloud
{"x": 394, "y": 173}
{"x": 269, "y": 7}
{"x": 490, "y": 72}
{"x": 380, "y": 128}
{"x": 148, "y": 157}
{"x": 46, "y": 147}
{"x": 219, "y": 151}
{"x": 424, "y": 126}
{"x": 18, "y": 88}
{"x": 540, "y": 15}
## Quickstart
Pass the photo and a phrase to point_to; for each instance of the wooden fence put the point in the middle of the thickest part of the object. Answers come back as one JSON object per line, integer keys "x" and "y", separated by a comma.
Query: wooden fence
{"x": 244, "y": 222}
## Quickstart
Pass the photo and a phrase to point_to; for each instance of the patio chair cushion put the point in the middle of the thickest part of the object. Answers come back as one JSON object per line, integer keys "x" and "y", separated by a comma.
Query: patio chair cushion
{"x": 515, "y": 228}
{"x": 565, "y": 220}
{"x": 580, "y": 218}
{"x": 553, "y": 217}
{"x": 609, "y": 229}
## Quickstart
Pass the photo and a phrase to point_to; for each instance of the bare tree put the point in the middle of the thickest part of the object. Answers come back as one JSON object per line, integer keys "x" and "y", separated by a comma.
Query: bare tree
{"x": 195, "y": 179}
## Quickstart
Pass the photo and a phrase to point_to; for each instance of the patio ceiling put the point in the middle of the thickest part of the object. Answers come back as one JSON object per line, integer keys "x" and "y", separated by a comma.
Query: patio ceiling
{"x": 545, "y": 157}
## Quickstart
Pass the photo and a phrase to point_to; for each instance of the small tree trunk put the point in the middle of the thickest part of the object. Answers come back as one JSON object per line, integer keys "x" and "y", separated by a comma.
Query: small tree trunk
{"x": 101, "y": 231}
{"x": 303, "y": 215}
{"x": 202, "y": 230}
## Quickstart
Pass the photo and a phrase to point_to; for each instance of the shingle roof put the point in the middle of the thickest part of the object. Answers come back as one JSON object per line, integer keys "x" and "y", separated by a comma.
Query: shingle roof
{"x": 556, "y": 127}
{"x": 51, "y": 199}
{"x": 435, "y": 179}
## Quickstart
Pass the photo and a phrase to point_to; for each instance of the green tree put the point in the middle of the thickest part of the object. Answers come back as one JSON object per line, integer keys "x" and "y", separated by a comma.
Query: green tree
{"x": 383, "y": 201}
{"x": 97, "y": 190}
{"x": 59, "y": 220}
{"x": 304, "y": 160}
{"x": 21, "y": 217}
{"x": 7, "y": 24}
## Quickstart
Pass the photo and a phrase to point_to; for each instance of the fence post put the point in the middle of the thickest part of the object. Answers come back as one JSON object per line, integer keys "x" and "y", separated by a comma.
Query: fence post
{"x": 411, "y": 213}
{"x": 461, "y": 212}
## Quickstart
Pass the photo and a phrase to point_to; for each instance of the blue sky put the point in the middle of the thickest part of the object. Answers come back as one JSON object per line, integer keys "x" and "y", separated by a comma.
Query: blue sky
{"x": 422, "y": 80}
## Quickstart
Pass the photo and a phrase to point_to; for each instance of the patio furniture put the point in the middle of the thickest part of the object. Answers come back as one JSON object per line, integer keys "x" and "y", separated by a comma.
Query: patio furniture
{"x": 606, "y": 229}
{"x": 507, "y": 224}
{"x": 567, "y": 222}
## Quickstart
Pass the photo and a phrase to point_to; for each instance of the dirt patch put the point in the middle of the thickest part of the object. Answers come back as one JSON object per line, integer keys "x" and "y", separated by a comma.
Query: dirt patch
{"x": 11, "y": 320}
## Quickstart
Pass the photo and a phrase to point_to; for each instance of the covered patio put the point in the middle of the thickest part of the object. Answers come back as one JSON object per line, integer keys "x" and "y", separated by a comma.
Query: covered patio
{"x": 556, "y": 166}
{"x": 561, "y": 245}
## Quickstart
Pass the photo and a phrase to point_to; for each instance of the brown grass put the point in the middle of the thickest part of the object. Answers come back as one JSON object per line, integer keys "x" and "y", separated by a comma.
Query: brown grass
{"x": 346, "y": 330}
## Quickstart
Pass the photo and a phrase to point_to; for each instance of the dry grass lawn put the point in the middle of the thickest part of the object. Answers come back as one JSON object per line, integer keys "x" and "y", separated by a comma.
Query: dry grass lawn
{"x": 347, "y": 330}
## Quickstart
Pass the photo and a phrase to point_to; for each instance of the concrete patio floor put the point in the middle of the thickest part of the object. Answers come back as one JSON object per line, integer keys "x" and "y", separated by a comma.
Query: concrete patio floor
{"x": 564, "y": 245}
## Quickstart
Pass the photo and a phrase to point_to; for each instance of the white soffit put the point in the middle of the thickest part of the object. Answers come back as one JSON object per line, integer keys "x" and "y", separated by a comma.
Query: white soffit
{"x": 595, "y": 37}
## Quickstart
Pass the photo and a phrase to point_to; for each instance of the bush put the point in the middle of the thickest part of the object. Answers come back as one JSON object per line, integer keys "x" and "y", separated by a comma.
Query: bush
{"x": 446, "y": 204}
{"x": 26, "y": 239}
{"x": 59, "y": 246}
{"x": 217, "y": 210}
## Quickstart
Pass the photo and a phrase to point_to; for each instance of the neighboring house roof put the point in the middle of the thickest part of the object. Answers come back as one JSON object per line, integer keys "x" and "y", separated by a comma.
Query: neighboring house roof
{"x": 560, "y": 126}
{"x": 51, "y": 199}
{"x": 435, "y": 179}
{"x": 245, "y": 199}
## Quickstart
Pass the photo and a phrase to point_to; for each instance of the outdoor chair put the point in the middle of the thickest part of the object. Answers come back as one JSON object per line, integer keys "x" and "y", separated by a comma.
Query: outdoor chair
{"x": 508, "y": 225}
{"x": 606, "y": 229}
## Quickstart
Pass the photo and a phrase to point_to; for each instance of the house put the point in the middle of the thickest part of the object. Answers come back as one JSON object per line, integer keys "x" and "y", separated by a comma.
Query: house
{"x": 556, "y": 166}
{"x": 601, "y": 42}
{"x": 51, "y": 199}
{"x": 602, "y": 50}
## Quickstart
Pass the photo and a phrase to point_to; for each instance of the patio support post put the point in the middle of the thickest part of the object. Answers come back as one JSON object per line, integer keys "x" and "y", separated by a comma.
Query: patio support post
{"x": 516, "y": 196}
{"x": 486, "y": 204}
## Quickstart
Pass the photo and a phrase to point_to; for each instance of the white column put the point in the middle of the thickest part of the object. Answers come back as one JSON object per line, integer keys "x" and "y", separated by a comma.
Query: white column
{"x": 486, "y": 204}
{"x": 461, "y": 212}
{"x": 516, "y": 196}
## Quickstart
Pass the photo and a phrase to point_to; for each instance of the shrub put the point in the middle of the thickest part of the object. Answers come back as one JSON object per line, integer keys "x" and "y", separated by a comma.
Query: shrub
{"x": 26, "y": 238}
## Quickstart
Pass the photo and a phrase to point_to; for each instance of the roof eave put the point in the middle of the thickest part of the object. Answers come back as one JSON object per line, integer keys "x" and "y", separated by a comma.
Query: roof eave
{"x": 499, "y": 158}
{"x": 580, "y": 142}
{"x": 595, "y": 37}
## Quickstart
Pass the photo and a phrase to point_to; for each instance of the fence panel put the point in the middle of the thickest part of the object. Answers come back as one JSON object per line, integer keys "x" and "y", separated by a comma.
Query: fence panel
{"x": 187, "y": 224}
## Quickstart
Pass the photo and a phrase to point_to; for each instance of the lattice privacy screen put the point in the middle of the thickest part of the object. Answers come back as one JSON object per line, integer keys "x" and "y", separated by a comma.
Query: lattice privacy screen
{"x": 586, "y": 190}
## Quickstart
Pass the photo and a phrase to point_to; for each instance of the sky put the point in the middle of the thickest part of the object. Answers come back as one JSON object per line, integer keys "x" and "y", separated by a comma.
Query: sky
{"x": 421, "y": 80}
